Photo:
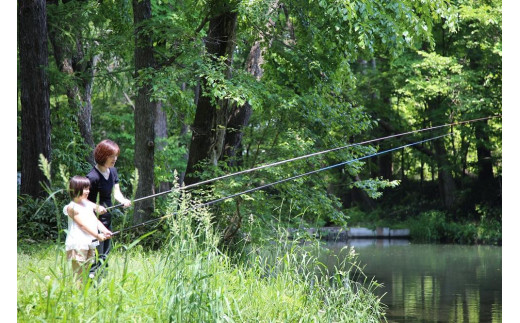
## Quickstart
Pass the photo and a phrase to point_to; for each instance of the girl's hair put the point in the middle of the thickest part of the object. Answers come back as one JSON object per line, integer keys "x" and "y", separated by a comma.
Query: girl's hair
{"x": 105, "y": 149}
{"x": 76, "y": 186}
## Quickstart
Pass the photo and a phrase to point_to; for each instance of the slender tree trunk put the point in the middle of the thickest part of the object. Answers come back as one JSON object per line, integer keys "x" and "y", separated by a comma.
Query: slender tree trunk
{"x": 208, "y": 128}
{"x": 71, "y": 60}
{"x": 422, "y": 172}
{"x": 85, "y": 105}
{"x": 240, "y": 115}
{"x": 385, "y": 165}
{"x": 486, "y": 187}
{"x": 184, "y": 130}
{"x": 464, "y": 147}
{"x": 161, "y": 134}
{"x": 446, "y": 181}
{"x": 402, "y": 165}
{"x": 144, "y": 114}
{"x": 233, "y": 140}
{"x": 34, "y": 88}
{"x": 485, "y": 165}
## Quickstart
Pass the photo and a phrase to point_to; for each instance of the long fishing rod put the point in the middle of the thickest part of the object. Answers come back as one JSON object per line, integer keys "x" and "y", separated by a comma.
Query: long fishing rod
{"x": 305, "y": 156}
{"x": 274, "y": 183}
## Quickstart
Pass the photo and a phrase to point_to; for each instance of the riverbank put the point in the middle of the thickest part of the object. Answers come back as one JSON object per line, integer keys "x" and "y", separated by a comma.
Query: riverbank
{"x": 189, "y": 279}
{"x": 344, "y": 234}
{"x": 427, "y": 227}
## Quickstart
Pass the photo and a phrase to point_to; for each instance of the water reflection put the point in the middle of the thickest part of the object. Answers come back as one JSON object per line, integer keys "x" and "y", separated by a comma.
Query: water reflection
{"x": 432, "y": 283}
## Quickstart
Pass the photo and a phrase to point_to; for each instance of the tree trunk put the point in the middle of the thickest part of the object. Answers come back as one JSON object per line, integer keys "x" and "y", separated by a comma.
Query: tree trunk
{"x": 85, "y": 105}
{"x": 210, "y": 120}
{"x": 161, "y": 132}
{"x": 487, "y": 187}
{"x": 70, "y": 59}
{"x": 34, "y": 88}
{"x": 241, "y": 115}
{"x": 446, "y": 181}
{"x": 403, "y": 178}
{"x": 385, "y": 165}
{"x": 233, "y": 141}
{"x": 485, "y": 165}
{"x": 185, "y": 127}
{"x": 144, "y": 114}
{"x": 422, "y": 172}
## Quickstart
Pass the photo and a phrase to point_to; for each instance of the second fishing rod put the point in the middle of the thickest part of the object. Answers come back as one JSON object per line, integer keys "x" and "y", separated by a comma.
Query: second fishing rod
{"x": 275, "y": 183}
{"x": 185, "y": 187}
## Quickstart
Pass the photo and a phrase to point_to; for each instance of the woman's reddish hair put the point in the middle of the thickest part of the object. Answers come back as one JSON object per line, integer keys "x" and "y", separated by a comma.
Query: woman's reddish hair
{"x": 105, "y": 149}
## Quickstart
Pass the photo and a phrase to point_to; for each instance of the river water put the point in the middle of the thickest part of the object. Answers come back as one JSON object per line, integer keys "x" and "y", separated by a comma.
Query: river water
{"x": 432, "y": 282}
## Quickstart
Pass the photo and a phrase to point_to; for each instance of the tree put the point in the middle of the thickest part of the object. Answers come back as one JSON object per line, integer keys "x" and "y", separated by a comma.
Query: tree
{"x": 209, "y": 126}
{"x": 479, "y": 46}
{"x": 74, "y": 58}
{"x": 34, "y": 96}
{"x": 145, "y": 112}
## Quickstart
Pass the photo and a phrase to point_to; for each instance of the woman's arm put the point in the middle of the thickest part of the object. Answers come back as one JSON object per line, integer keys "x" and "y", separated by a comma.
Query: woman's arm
{"x": 99, "y": 209}
{"x": 119, "y": 196}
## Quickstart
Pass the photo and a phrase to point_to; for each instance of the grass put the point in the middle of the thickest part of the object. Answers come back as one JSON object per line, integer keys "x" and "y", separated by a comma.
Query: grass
{"x": 190, "y": 280}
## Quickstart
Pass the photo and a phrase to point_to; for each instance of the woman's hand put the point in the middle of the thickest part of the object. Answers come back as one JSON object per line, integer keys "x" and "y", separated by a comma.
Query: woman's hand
{"x": 101, "y": 209}
{"x": 126, "y": 203}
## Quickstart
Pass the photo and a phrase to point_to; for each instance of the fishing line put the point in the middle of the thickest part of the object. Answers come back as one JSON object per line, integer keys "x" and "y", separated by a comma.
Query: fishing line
{"x": 277, "y": 182}
{"x": 306, "y": 156}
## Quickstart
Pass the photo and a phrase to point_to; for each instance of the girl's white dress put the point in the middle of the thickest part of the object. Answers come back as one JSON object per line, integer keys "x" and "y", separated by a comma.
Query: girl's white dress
{"x": 77, "y": 239}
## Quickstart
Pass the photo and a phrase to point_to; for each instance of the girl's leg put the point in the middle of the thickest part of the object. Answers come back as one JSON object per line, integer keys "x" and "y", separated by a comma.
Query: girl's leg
{"x": 78, "y": 259}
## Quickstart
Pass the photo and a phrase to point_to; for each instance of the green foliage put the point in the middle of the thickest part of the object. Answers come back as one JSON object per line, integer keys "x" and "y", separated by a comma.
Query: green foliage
{"x": 373, "y": 187}
{"x": 189, "y": 279}
{"x": 37, "y": 219}
{"x": 489, "y": 229}
{"x": 330, "y": 70}
{"x": 434, "y": 226}
{"x": 42, "y": 219}
{"x": 170, "y": 159}
{"x": 117, "y": 125}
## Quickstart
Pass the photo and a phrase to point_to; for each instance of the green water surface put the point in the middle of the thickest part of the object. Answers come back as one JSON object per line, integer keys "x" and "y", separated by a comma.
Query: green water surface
{"x": 432, "y": 283}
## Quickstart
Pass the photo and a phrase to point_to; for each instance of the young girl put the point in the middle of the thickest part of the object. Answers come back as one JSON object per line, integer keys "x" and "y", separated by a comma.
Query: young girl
{"x": 83, "y": 226}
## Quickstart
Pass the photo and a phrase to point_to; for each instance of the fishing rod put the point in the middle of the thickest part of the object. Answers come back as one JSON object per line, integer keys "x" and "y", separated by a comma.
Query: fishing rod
{"x": 274, "y": 183}
{"x": 305, "y": 156}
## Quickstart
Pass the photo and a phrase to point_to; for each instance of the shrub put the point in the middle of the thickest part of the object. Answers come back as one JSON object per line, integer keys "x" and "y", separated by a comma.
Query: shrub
{"x": 433, "y": 226}
{"x": 39, "y": 220}
{"x": 191, "y": 280}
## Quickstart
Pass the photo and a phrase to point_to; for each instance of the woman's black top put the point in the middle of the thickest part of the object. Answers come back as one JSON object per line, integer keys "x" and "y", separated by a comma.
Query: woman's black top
{"x": 101, "y": 190}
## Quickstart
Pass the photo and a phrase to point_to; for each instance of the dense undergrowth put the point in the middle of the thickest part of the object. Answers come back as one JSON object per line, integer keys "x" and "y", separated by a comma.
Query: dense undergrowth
{"x": 190, "y": 279}
{"x": 418, "y": 206}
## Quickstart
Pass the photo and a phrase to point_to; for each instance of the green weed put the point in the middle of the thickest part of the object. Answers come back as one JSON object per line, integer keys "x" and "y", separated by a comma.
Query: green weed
{"x": 191, "y": 280}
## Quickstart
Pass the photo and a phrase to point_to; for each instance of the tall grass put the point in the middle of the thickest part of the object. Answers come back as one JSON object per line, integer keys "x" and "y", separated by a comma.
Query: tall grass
{"x": 191, "y": 280}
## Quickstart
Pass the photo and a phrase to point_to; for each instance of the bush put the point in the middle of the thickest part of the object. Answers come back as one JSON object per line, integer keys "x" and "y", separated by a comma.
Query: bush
{"x": 191, "y": 280}
{"x": 39, "y": 220}
{"x": 434, "y": 226}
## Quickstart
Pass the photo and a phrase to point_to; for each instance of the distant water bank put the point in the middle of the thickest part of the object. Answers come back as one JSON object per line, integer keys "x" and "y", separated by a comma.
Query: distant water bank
{"x": 344, "y": 234}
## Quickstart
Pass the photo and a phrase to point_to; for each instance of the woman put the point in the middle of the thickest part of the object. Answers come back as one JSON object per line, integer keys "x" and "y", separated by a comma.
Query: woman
{"x": 103, "y": 181}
